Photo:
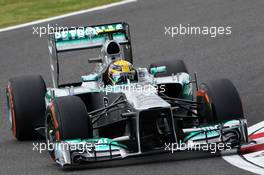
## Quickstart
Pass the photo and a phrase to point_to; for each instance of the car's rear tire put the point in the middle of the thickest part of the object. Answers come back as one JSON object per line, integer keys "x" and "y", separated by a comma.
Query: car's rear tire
{"x": 67, "y": 119}
{"x": 220, "y": 101}
{"x": 172, "y": 67}
{"x": 26, "y": 105}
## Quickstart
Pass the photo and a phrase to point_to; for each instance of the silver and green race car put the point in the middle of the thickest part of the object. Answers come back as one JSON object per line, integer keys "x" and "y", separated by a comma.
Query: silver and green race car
{"x": 94, "y": 120}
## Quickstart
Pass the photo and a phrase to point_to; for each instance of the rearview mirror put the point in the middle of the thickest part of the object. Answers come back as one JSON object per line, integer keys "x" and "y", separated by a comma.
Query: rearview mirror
{"x": 158, "y": 69}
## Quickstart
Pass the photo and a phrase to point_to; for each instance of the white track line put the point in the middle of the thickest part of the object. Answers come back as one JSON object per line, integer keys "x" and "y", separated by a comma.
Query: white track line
{"x": 255, "y": 127}
{"x": 237, "y": 161}
{"x": 67, "y": 15}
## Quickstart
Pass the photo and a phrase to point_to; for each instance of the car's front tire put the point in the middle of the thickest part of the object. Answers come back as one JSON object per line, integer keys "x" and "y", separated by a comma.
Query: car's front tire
{"x": 67, "y": 119}
{"x": 26, "y": 105}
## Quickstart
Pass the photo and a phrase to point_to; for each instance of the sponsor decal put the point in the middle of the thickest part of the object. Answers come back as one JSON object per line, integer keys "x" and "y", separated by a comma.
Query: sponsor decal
{"x": 85, "y": 32}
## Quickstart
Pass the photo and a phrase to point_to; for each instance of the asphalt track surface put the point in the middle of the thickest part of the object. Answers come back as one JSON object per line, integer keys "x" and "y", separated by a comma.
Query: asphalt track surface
{"x": 238, "y": 57}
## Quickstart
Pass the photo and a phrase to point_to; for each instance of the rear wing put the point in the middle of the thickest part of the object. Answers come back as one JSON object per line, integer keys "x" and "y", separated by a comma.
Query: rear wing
{"x": 90, "y": 36}
{"x": 77, "y": 38}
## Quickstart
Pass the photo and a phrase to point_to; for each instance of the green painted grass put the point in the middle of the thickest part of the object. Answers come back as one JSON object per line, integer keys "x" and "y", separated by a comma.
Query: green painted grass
{"x": 14, "y": 12}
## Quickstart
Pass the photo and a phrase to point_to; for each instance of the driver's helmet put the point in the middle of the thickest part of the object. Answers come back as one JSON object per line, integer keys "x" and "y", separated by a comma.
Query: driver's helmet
{"x": 121, "y": 72}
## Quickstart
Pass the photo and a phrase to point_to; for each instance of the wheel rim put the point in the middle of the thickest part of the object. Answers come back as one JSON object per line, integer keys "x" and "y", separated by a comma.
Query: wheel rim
{"x": 51, "y": 136}
{"x": 11, "y": 111}
{"x": 51, "y": 131}
{"x": 205, "y": 108}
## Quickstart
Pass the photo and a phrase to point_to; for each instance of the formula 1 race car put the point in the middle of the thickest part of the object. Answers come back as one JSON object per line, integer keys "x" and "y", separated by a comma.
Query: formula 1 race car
{"x": 119, "y": 111}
